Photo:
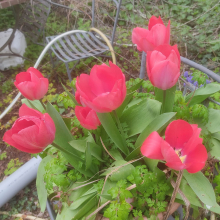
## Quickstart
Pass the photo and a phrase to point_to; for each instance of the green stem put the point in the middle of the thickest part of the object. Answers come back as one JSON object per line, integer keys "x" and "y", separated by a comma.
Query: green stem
{"x": 62, "y": 149}
{"x": 42, "y": 104}
{"x": 32, "y": 106}
{"x": 216, "y": 167}
{"x": 171, "y": 176}
{"x": 164, "y": 101}
{"x": 119, "y": 123}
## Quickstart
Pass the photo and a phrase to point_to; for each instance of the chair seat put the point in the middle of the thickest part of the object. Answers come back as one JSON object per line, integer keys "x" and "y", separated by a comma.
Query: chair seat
{"x": 77, "y": 46}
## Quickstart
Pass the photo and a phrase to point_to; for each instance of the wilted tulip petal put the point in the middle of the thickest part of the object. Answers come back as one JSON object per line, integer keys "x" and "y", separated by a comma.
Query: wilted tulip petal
{"x": 104, "y": 90}
{"x": 181, "y": 149}
{"x": 31, "y": 132}
{"x": 32, "y": 84}
{"x": 163, "y": 66}
{"x": 157, "y": 34}
{"x": 87, "y": 117}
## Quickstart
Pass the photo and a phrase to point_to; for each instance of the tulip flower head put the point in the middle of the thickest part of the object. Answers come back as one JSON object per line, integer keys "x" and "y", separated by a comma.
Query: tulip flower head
{"x": 104, "y": 89}
{"x": 157, "y": 34}
{"x": 87, "y": 117}
{"x": 32, "y": 84}
{"x": 181, "y": 149}
{"x": 163, "y": 66}
{"x": 31, "y": 132}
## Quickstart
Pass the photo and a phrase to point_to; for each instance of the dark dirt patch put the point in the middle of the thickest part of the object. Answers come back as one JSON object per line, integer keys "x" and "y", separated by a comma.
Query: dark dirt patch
{"x": 25, "y": 202}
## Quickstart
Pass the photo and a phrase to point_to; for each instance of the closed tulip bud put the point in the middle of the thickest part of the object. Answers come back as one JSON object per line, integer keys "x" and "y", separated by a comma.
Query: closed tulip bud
{"x": 32, "y": 84}
{"x": 32, "y": 132}
{"x": 87, "y": 117}
{"x": 104, "y": 89}
{"x": 156, "y": 34}
{"x": 163, "y": 66}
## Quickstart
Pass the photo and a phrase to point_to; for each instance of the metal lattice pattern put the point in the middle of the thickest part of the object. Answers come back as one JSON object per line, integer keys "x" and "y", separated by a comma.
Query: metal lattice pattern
{"x": 77, "y": 46}
{"x": 33, "y": 17}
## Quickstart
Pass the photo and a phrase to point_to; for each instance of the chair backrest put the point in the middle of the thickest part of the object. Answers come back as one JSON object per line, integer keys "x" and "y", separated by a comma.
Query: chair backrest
{"x": 33, "y": 17}
{"x": 118, "y": 5}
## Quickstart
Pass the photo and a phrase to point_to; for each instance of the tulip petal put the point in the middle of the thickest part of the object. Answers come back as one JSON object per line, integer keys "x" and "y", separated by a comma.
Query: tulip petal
{"x": 24, "y": 110}
{"x": 153, "y": 58}
{"x": 195, "y": 160}
{"x": 27, "y": 89}
{"x": 151, "y": 147}
{"x": 167, "y": 38}
{"x": 21, "y": 77}
{"x": 46, "y": 134}
{"x": 27, "y": 138}
{"x": 103, "y": 78}
{"x": 139, "y": 33}
{"x": 172, "y": 159}
{"x": 193, "y": 142}
{"x": 178, "y": 133}
{"x": 173, "y": 57}
{"x": 36, "y": 72}
{"x": 8, "y": 139}
{"x": 146, "y": 44}
{"x": 20, "y": 124}
{"x": 165, "y": 75}
{"x": 82, "y": 85}
{"x": 153, "y": 21}
{"x": 159, "y": 34}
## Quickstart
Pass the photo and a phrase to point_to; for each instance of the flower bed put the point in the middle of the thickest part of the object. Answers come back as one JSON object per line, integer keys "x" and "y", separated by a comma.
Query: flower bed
{"x": 146, "y": 146}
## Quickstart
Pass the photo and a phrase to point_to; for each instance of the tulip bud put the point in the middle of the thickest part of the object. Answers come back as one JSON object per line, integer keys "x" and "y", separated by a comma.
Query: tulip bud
{"x": 104, "y": 89}
{"x": 32, "y": 84}
{"x": 87, "y": 117}
{"x": 31, "y": 132}
{"x": 163, "y": 66}
{"x": 157, "y": 34}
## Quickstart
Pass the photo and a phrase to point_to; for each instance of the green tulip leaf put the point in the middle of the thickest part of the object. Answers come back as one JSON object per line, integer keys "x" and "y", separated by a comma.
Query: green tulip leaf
{"x": 121, "y": 108}
{"x": 76, "y": 204}
{"x": 214, "y": 121}
{"x": 79, "y": 192}
{"x": 202, "y": 93}
{"x": 158, "y": 124}
{"x": 202, "y": 188}
{"x": 88, "y": 156}
{"x": 70, "y": 95}
{"x": 67, "y": 212}
{"x": 140, "y": 115}
{"x": 86, "y": 207}
{"x": 113, "y": 132}
{"x": 33, "y": 104}
{"x": 41, "y": 189}
{"x": 62, "y": 138}
{"x": 166, "y": 97}
{"x": 135, "y": 87}
{"x": 215, "y": 151}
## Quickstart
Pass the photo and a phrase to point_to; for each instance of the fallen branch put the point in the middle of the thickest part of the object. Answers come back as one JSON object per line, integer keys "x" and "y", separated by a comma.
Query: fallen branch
{"x": 23, "y": 216}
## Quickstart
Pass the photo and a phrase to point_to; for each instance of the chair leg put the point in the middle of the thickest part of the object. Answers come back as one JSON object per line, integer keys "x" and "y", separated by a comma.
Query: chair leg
{"x": 143, "y": 66}
{"x": 69, "y": 75}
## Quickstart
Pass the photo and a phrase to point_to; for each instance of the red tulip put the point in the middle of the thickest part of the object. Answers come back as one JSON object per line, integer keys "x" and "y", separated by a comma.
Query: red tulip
{"x": 32, "y": 84}
{"x": 157, "y": 34}
{"x": 77, "y": 97}
{"x": 104, "y": 89}
{"x": 87, "y": 117}
{"x": 31, "y": 132}
{"x": 181, "y": 149}
{"x": 163, "y": 66}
